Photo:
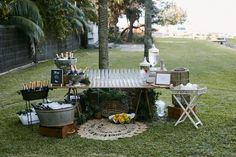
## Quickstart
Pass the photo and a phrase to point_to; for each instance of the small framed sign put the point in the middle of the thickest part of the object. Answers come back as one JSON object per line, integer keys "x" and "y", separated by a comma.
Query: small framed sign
{"x": 162, "y": 79}
{"x": 56, "y": 77}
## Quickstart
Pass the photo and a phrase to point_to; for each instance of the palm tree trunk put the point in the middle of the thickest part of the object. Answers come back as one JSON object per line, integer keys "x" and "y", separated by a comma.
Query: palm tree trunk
{"x": 148, "y": 27}
{"x": 33, "y": 50}
{"x": 130, "y": 35}
{"x": 103, "y": 34}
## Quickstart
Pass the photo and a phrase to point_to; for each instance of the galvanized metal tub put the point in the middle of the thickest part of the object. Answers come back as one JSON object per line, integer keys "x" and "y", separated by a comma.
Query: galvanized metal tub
{"x": 65, "y": 64}
{"x": 59, "y": 117}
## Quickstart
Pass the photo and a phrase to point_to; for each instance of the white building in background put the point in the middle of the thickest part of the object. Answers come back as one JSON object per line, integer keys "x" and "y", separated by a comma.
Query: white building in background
{"x": 93, "y": 34}
{"x": 122, "y": 23}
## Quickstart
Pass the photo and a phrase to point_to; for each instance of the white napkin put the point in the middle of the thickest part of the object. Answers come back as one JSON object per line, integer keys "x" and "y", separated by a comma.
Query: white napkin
{"x": 56, "y": 105}
{"x": 189, "y": 86}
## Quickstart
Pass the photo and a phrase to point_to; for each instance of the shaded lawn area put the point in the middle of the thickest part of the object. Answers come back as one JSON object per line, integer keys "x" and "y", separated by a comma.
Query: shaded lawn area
{"x": 210, "y": 65}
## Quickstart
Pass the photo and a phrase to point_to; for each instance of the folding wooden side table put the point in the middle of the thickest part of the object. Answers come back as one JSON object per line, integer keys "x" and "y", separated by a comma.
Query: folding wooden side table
{"x": 188, "y": 107}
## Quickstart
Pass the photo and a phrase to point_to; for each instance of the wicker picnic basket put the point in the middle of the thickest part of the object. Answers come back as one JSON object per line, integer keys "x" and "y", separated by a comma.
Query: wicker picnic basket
{"x": 180, "y": 76}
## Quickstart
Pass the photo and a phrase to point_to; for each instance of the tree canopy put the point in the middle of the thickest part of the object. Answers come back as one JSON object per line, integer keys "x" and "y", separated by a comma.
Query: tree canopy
{"x": 169, "y": 14}
{"x": 162, "y": 13}
{"x": 61, "y": 17}
{"x": 25, "y": 15}
{"x": 38, "y": 17}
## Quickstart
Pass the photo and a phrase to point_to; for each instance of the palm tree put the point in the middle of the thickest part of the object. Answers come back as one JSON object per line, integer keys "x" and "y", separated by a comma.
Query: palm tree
{"x": 132, "y": 12}
{"x": 24, "y": 14}
{"x": 90, "y": 8}
{"x": 103, "y": 34}
{"x": 79, "y": 22}
{"x": 148, "y": 27}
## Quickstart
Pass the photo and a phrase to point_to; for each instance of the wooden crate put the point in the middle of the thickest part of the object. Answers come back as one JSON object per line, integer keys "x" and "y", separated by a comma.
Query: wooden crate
{"x": 60, "y": 132}
{"x": 175, "y": 112}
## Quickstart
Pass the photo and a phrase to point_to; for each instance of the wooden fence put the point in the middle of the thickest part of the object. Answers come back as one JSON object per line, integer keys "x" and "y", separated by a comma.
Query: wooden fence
{"x": 15, "y": 48}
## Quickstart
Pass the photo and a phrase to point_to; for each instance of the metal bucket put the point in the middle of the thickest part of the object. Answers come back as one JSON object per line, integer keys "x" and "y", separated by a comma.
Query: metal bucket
{"x": 59, "y": 117}
{"x": 65, "y": 64}
{"x": 34, "y": 95}
{"x": 76, "y": 78}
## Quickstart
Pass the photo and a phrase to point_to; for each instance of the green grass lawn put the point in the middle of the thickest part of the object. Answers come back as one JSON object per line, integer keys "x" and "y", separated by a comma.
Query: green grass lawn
{"x": 210, "y": 65}
{"x": 231, "y": 41}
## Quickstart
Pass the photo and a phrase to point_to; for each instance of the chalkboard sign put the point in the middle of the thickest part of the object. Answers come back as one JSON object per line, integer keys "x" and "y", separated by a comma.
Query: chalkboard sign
{"x": 56, "y": 77}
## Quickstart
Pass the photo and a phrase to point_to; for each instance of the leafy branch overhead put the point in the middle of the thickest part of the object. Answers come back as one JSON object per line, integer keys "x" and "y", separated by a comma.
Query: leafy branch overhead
{"x": 25, "y": 15}
{"x": 162, "y": 13}
{"x": 38, "y": 17}
{"x": 168, "y": 13}
{"x": 89, "y": 9}
{"x": 61, "y": 17}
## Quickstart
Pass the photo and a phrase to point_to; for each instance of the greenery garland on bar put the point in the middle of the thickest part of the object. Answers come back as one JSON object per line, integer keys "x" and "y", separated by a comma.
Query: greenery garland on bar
{"x": 91, "y": 102}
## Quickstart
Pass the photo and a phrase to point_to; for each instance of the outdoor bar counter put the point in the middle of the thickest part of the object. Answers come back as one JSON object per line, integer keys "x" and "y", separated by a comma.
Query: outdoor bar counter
{"x": 117, "y": 78}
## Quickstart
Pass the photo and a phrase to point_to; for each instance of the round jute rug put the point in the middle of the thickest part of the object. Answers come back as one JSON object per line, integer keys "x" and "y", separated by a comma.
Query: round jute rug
{"x": 103, "y": 129}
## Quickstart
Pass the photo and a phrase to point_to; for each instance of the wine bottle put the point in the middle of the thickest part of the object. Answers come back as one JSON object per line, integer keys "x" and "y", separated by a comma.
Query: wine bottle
{"x": 85, "y": 70}
{"x": 57, "y": 56}
{"x": 76, "y": 70}
{"x": 67, "y": 56}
